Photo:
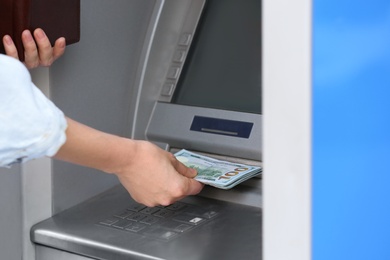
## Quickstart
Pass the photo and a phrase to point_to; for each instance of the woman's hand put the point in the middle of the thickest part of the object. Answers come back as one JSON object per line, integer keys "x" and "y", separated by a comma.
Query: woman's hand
{"x": 155, "y": 177}
{"x": 37, "y": 50}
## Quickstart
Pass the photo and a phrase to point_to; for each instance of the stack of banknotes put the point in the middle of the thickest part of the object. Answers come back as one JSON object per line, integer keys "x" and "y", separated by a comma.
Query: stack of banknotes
{"x": 217, "y": 173}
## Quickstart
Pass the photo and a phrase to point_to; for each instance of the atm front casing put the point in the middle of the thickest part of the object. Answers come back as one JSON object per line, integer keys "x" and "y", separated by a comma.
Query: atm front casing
{"x": 75, "y": 231}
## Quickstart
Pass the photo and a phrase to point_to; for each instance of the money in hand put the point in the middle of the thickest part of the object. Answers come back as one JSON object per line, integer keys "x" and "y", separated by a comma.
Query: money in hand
{"x": 217, "y": 173}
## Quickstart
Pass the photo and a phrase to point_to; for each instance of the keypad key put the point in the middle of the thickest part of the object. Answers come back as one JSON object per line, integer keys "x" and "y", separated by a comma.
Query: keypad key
{"x": 136, "y": 207}
{"x": 137, "y": 217}
{"x": 122, "y": 224}
{"x": 149, "y": 220}
{"x": 163, "y": 213}
{"x": 109, "y": 221}
{"x": 189, "y": 219}
{"x": 177, "y": 206}
{"x": 150, "y": 210}
{"x": 135, "y": 227}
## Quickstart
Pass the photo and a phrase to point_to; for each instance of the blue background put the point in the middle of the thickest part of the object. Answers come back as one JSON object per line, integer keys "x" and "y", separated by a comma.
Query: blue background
{"x": 351, "y": 130}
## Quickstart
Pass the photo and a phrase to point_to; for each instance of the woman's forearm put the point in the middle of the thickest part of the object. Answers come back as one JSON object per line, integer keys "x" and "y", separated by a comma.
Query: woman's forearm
{"x": 151, "y": 175}
{"x": 92, "y": 148}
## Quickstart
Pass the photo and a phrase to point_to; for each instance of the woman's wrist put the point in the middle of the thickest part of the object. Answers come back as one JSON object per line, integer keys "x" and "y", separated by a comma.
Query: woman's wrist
{"x": 120, "y": 155}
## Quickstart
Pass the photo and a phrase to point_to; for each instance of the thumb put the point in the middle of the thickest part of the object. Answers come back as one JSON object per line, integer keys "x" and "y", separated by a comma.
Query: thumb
{"x": 182, "y": 169}
{"x": 194, "y": 187}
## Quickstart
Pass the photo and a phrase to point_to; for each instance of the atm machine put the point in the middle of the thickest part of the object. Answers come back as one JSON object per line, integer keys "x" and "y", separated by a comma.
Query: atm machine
{"x": 195, "y": 84}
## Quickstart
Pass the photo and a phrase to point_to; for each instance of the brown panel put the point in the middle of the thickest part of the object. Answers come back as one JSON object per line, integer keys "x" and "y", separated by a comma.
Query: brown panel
{"x": 58, "y": 18}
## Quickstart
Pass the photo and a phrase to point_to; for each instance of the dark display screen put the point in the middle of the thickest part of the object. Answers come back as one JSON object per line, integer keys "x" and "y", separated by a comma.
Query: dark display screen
{"x": 223, "y": 67}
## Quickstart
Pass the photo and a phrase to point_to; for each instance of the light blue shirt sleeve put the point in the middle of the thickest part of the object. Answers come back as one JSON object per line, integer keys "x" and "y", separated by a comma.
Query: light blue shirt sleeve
{"x": 31, "y": 126}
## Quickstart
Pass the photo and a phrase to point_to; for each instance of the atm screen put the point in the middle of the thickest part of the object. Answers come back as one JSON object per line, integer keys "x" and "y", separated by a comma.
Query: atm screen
{"x": 223, "y": 67}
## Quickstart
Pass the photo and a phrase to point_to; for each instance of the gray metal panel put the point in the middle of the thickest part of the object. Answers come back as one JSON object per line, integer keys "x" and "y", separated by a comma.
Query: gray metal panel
{"x": 47, "y": 253}
{"x": 94, "y": 83}
{"x": 172, "y": 22}
{"x": 171, "y": 124}
{"x": 11, "y": 213}
{"x": 36, "y": 199}
{"x": 166, "y": 123}
{"x": 233, "y": 234}
{"x": 25, "y": 199}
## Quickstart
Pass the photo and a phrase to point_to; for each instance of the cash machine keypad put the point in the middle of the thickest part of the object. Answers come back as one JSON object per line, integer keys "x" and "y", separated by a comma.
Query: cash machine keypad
{"x": 160, "y": 222}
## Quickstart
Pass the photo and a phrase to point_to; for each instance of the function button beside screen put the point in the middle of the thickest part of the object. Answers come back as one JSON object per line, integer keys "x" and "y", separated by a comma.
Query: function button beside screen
{"x": 179, "y": 56}
{"x": 167, "y": 89}
{"x": 185, "y": 39}
{"x": 173, "y": 73}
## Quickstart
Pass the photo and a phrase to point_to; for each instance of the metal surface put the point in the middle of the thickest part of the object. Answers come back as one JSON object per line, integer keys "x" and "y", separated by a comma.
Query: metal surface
{"x": 172, "y": 22}
{"x": 171, "y": 124}
{"x": 47, "y": 253}
{"x": 234, "y": 234}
